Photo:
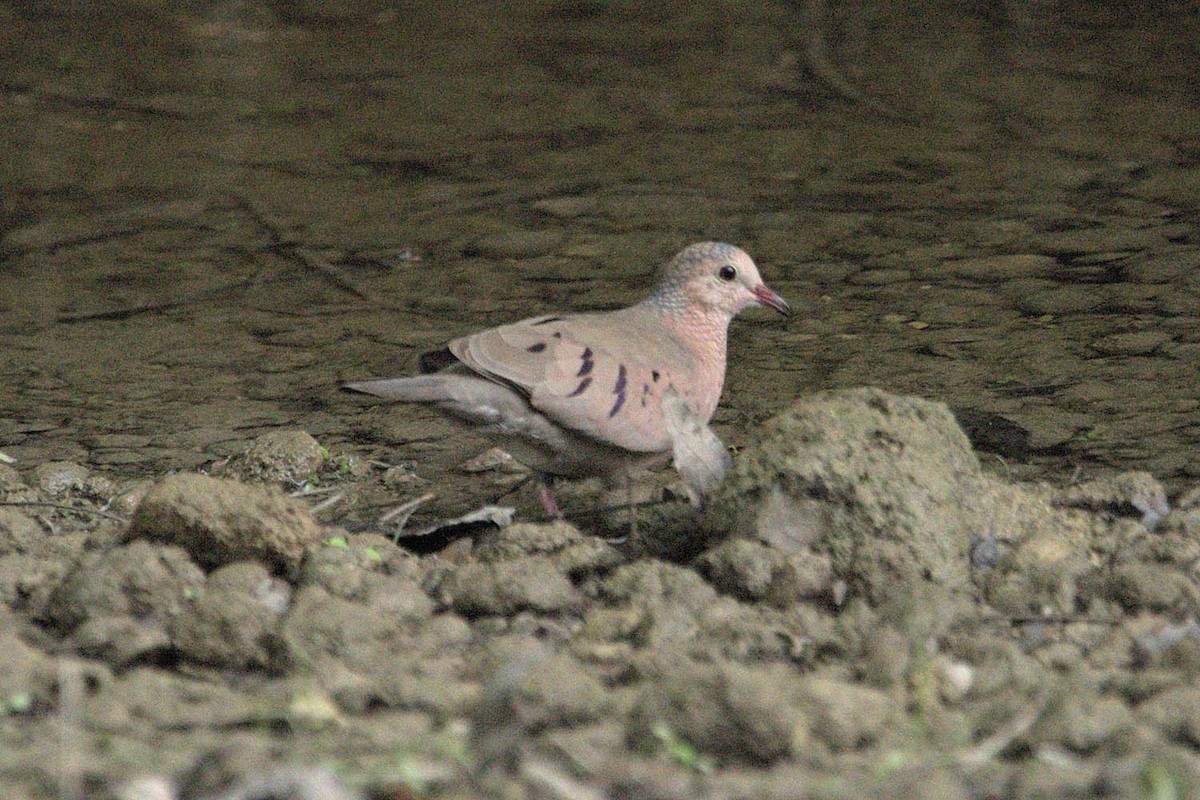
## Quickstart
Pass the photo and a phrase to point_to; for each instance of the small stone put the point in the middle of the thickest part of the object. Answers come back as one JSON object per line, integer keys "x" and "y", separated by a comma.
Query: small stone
{"x": 745, "y": 714}
{"x": 289, "y": 457}
{"x": 121, "y": 640}
{"x": 233, "y": 623}
{"x": 955, "y": 679}
{"x": 493, "y": 459}
{"x": 59, "y": 477}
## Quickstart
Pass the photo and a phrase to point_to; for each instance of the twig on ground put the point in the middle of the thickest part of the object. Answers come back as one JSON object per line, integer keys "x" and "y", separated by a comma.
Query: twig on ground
{"x": 404, "y": 511}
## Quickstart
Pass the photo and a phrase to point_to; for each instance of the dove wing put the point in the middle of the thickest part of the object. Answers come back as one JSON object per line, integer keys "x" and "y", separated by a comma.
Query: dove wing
{"x": 591, "y": 373}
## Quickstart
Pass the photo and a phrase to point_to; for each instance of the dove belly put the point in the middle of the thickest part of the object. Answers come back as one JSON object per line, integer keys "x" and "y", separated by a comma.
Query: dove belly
{"x": 504, "y": 414}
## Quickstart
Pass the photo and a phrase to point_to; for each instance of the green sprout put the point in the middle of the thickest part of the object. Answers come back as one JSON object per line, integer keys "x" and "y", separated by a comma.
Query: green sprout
{"x": 682, "y": 751}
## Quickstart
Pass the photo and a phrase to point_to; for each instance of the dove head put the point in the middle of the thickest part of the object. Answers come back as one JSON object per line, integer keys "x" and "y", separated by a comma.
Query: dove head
{"x": 714, "y": 277}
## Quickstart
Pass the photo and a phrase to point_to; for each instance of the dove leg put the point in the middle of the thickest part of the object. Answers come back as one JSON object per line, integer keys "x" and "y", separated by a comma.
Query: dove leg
{"x": 546, "y": 496}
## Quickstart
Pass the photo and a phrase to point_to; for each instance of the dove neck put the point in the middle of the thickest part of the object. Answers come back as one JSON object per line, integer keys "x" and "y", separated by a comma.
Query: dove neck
{"x": 701, "y": 331}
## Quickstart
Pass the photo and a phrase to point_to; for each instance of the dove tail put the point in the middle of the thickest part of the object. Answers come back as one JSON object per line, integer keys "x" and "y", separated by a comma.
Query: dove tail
{"x": 471, "y": 398}
{"x": 417, "y": 389}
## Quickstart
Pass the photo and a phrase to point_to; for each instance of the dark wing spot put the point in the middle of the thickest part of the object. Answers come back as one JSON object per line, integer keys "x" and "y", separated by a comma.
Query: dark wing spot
{"x": 558, "y": 334}
{"x": 617, "y": 405}
{"x": 586, "y": 367}
{"x": 654, "y": 374}
{"x": 546, "y": 321}
{"x": 619, "y": 391}
{"x": 581, "y": 388}
{"x": 536, "y": 348}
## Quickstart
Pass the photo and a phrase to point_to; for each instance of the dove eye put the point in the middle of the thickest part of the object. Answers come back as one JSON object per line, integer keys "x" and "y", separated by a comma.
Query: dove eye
{"x": 727, "y": 272}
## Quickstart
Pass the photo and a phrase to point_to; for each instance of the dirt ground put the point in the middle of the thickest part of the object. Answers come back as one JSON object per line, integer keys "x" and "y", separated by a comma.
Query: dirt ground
{"x": 957, "y": 554}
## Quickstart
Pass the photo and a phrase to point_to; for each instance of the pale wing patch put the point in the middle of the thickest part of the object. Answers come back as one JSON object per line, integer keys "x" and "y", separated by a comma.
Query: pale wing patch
{"x": 516, "y": 354}
{"x": 577, "y": 385}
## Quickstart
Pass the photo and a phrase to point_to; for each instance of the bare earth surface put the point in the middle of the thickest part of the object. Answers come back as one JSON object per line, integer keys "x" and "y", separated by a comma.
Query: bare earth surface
{"x": 212, "y": 214}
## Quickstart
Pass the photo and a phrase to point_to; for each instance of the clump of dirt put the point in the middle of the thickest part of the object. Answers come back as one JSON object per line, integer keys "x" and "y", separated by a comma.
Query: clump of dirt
{"x": 287, "y": 456}
{"x": 220, "y": 521}
{"x": 886, "y": 486}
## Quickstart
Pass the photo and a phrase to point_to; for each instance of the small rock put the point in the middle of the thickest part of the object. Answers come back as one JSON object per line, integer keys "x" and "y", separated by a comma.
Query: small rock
{"x": 58, "y": 477}
{"x": 569, "y": 549}
{"x": 845, "y": 715}
{"x": 24, "y": 670}
{"x": 146, "y": 787}
{"x": 289, "y": 457}
{"x": 955, "y": 679}
{"x": 27, "y": 581}
{"x": 221, "y": 521}
{"x": 493, "y": 459}
{"x": 12, "y": 488}
{"x": 751, "y": 571}
{"x": 130, "y": 495}
{"x": 530, "y": 687}
{"x": 319, "y": 624}
{"x": 345, "y": 566}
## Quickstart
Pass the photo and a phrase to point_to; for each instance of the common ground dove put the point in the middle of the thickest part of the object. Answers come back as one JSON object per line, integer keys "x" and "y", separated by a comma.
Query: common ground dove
{"x": 583, "y": 394}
